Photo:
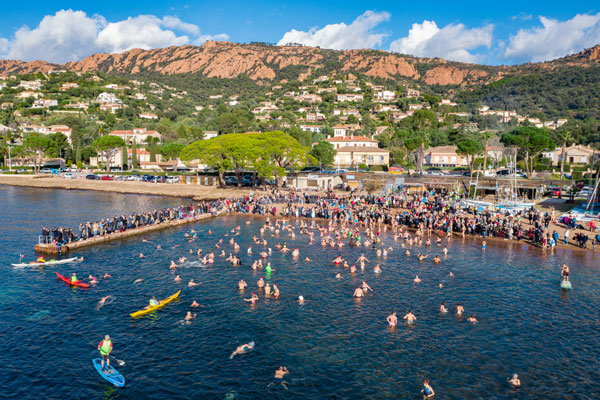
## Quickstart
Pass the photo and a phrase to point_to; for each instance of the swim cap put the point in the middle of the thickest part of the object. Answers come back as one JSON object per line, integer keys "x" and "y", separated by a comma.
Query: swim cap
{"x": 300, "y": 297}
{"x": 515, "y": 376}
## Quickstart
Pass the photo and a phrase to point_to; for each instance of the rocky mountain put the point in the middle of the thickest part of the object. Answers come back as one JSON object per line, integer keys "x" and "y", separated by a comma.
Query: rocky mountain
{"x": 262, "y": 62}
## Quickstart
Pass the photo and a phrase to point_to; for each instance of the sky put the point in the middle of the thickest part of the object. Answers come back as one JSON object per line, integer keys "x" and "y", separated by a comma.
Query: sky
{"x": 493, "y": 33}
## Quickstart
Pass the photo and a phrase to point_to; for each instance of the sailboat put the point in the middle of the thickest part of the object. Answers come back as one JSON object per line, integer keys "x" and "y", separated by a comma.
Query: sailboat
{"x": 511, "y": 202}
{"x": 590, "y": 210}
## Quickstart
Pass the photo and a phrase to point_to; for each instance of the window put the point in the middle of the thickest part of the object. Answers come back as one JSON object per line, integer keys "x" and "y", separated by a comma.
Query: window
{"x": 370, "y": 159}
{"x": 381, "y": 158}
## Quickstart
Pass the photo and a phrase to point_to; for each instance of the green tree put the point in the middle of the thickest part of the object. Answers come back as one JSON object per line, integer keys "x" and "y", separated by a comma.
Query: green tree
{"x": 37, "y": 145}
{"x": 108, "y": 145}
{"x": 279, "y": 152}
{"x": 134, "y": 158}
{"x": 324, "y": 153}
{"x": 152, "y": 146}
{"x": 530, "y": 141}
{"x": 469, "y": 148}
{"x": 303, "y": 137}
{"x": 170, "y": 151}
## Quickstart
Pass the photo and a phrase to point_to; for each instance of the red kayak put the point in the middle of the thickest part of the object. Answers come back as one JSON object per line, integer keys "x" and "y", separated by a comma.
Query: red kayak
{"x": 68, "y": 280}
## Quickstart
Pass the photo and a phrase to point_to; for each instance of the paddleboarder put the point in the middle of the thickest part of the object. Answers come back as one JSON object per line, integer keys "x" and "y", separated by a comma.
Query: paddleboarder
{"x": 105, "y": 347}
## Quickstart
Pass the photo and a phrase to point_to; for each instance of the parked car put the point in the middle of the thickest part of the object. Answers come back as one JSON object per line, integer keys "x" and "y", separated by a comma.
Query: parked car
{"x": 68, "y": 175}
{"x": 160, "y": 179}
{"x": 231, "y": 180}
{"x": 92, "y": 177}
{"x": 148, "y": 178}
{"x": 172, "y": 179}
{"x": 45, "y": 171}
{"x": 107, "y": 178}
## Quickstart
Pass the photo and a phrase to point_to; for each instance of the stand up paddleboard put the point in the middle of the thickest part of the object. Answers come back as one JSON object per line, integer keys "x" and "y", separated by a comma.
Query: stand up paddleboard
{"x": 112, "y": 375}
{"x": 566, "y": 285}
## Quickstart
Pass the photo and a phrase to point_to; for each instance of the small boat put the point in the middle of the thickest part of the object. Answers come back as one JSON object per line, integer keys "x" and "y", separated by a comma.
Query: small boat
{"x": 68, "y": 281}
{"x": 49, "y": 262}
{"x": 566, "y": 285}
{"x": 112, "y": 375}
{"x": 161, "y": 304}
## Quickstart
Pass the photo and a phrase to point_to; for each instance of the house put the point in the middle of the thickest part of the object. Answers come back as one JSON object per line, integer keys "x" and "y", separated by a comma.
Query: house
{"x": 199, "y": 108}
{"x": 350, "y": 97}
{"x": 31, "y": 128}
{"x": 80, "y": 106}
{"x": 6, "y": 105}
{"x": 44, "y": 103}
{"x": 108, "y": 98}
{"x": 385, "y": 95}
{"x": 64, "y": 129}
{"x": 30, "y": 85}
{"x": 118, "y": 157}
{"x": 447, "y": 102}
{"x": 314, "y": 117}
{"x": 148, "y": 116}
{"x": 575, "y": 154}
{"x": 415, "y": 106}
{"x": 355, "y": 150}
{"x": 68, "y": 85}
{"x": 215, "y": 96}
{"x": 111, "y": 107}
{"x": 444, "y": 156}
{"x": 311, "y": 128}
{"x": 210, "y": 134}
{"x": 28, "y": 93}
{"x": 412, "y": 93}
{"x": 310, "y": 98}
{"x": 139, "y": 96}
{"x": 137, "y": 135}
{"x": 344, "y": 130}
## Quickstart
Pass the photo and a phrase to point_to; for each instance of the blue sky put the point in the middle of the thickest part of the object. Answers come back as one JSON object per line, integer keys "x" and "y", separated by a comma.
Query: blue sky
{"x": 505, "y": 32}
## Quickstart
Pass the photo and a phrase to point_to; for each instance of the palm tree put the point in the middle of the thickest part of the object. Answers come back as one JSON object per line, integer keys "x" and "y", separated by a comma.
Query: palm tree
{"x": 565, "y": 137}
{"x": 485, "y": 136}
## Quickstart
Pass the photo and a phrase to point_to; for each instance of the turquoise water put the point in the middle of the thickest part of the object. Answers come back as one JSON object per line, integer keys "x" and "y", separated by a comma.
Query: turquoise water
{"x": 334, "y": 346}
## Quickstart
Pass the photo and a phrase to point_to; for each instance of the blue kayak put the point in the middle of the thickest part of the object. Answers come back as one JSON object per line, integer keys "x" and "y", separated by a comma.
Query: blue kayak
{"x": 112, "y": 375}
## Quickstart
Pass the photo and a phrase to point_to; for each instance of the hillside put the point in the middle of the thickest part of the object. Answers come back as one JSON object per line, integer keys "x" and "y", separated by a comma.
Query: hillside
{"x": 261, "y": 62}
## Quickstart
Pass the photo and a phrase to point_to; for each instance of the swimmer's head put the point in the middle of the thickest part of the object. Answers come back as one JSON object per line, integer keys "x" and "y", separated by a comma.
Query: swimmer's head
{"x": 515, "y": 376}
{"x": 301, "y": 298}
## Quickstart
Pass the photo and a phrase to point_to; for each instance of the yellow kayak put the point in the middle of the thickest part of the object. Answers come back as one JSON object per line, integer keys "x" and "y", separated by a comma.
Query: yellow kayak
{"x": 161, "y": 304}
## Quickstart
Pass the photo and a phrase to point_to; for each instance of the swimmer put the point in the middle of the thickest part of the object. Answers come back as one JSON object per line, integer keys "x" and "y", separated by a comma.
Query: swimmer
{"x": 267, "y": 290}
{"x": 158, "y": 247}
{"x": 301, "y": 299}
{"x": 182, "y": 260}
{"x": 377, "y": 269}
{"x": 177, "y": 279}
{"x": 281, "y": 372}
{"x": 253, "y": 299}
{"x": 483, "y": 245}
{"x": 427, "y": 390}
{"x": 407, "y": 252}
{"x": 338, "y": 276}
{"x": 307, "y": 259}
{"x": 515, "y": 381}
{"x": 422, "y": 257}
{"x": 441, "y": 286}
{"x": 338, "y": 260}
{"x": 436, "y": 259}
{"x": 366, "y": 287}
{"x": 189, "y": 316}
{"x": 106, "y": 276}
{"x": 194, "y": 304}
{"x": 392, "y": 320}
{"x": 451, "y": 274}
{"x": 416, "y": 280}
{"x": 445, "y": 251}
{"x": 459, "y": 309}
{"x": 242, "y": 349}
{"x": 103, "y": 300}
{"x": 242, "y": 284}
{"x": 275, "y": 291}
{"x": 359, "y": 292}
{"x": 191, "y": 283}
{"x": 137, "y": 281}
{"x": 410, "y": 317}
{"x": 443, "y": 308}
{"x": 173, "y": 265}
{"x": 92, "y": 279}
{"x": 564, "y": 273}
{"x": 260, "y": 283}
{"x": 142, "y": 255}
{"x": 472, "y": 319}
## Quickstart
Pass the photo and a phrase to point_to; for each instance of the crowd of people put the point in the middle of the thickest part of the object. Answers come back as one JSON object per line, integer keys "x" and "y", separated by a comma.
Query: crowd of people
{"x": 121, "y": 223}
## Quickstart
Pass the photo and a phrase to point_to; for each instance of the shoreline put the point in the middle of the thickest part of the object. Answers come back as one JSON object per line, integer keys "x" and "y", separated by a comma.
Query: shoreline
{"x": 208, "y": 193}
{"x": 180, "y": 190}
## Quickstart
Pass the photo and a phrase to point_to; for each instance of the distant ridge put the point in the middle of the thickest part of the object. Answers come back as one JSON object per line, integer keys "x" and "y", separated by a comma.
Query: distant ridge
{"x": 282, "y": 63}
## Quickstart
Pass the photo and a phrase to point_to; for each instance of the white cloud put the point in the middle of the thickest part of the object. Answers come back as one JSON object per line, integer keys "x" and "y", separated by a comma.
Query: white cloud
{"x": 203, "y": 38}
{"x": 554, "y": 38}
{"x": 340, "y": 36}
{"x": 71, "y": 35}
{"x": 452, "y": 42}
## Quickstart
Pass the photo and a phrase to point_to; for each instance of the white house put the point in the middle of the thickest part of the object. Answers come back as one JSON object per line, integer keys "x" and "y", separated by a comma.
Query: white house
{"x": 108, "y": 98}
{"x": 137, "y": 135}
{"x": 148, "y": 116}
{"x": 44, "y": 103}
{"x": 350, "y": 97}
{"x": 385, "y": 95}
{"x": 311, "y": 128}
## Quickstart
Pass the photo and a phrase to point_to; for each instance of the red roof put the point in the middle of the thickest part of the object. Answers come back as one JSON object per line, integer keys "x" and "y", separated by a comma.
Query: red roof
{"x": 351, "y": 139}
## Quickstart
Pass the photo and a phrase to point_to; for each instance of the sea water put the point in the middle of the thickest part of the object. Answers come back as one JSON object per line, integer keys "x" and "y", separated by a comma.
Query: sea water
{"x": 333, "y": 345}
